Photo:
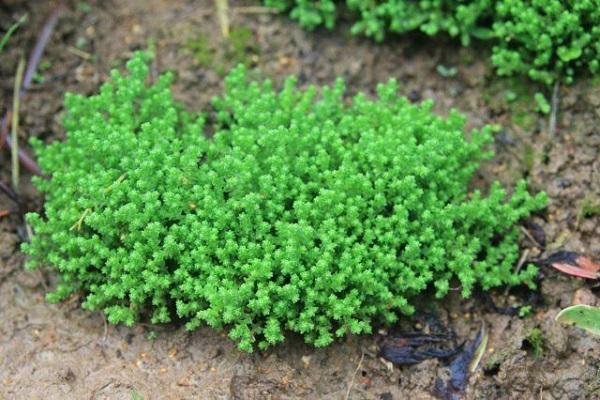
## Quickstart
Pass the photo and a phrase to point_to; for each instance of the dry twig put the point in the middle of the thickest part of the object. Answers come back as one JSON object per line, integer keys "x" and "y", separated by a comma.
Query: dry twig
{"x": 522, "y": 260}
{"x": 254, "y": 10}
{"x": 530, "y": 237}
{"x": 223, "y": 16}
{"x": 554, "y": 109}
{"x": 351, "y": 384}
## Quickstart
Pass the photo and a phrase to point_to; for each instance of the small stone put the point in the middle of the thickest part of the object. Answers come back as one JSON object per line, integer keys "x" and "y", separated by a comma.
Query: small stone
{"x": 8, "y": 242}
{"x": 584, "y": 296}
{"x": 306, "y": 361}
{"x": 555, "y": 335}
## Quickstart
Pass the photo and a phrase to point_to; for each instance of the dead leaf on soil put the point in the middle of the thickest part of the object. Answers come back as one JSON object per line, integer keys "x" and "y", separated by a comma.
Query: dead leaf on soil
{"x": 573, "y": 264}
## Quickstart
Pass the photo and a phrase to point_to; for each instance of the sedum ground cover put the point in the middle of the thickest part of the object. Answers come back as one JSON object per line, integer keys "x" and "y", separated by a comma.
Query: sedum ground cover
{"x": 545, "y": 40}
{"x": 307, "y": 211}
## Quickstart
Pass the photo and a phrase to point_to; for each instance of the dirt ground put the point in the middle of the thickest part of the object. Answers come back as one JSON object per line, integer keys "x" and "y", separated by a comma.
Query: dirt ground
{"x": 63, "y": 352}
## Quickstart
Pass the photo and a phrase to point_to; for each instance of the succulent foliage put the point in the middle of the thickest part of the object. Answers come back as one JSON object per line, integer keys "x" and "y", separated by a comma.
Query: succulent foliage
{"x": 306, "y": 211}
{"x": 546, "y": 40}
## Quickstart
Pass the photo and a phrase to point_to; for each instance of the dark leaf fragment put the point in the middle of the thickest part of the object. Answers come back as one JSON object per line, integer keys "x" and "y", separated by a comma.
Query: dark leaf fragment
{"x": 536, "y": 231}
{"x": 413, "y": 347}
{"x": 461, "y": 367}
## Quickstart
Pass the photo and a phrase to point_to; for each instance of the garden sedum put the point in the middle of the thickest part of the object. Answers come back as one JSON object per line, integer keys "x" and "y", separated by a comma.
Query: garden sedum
{"x": 545, "y": 40}
{"x": 306, "y": 211}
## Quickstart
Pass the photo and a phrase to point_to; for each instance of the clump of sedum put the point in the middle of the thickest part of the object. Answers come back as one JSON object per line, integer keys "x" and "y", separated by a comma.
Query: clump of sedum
{"x": 545, "y": 40}
{"x": 306, "y": 212}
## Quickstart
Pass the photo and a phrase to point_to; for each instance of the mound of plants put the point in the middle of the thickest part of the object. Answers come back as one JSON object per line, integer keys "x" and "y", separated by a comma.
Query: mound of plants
{"x": 546, "y": 40}
{"x": 305, "y": 212}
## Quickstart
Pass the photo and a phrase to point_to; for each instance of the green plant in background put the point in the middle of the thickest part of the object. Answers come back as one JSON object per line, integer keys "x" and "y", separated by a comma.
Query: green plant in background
{"x": 6, "y": 36}
{"x": 536, "y": 341}
{"x": 542, "y": 104}
{"x": 525, "y": 311}
{"x": 305, "y": 212}
{"x": 238, "y": 48}
{"x": 457, "y": 18}
{"x": 310, "y": 13}
{"x": 589, "y": 207}
{"x": 546, "y": 40}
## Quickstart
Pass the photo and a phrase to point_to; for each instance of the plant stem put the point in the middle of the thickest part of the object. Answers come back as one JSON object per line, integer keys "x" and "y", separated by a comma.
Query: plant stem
{"x": 15, "y": 125}
{"x": 223, "y": 16}
{"x": 554, "y": 109}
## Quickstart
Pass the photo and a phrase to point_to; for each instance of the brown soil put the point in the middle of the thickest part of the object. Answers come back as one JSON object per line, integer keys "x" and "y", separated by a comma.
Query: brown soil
{"x": 60, "y": 351}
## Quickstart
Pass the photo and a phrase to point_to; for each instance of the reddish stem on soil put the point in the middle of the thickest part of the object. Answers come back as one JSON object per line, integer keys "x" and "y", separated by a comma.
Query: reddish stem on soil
{"x": 27, "y": 162}
{"x": 10, "y": 192}
{"x": 34, "y": 60}
{"x": 3, "y": 128}
{"x": 40, "y": 45}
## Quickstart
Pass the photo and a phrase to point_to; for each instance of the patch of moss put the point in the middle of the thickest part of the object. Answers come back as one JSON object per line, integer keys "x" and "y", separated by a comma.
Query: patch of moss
{"x": 242, "y": 45}
{"x": 513, "y": 96}
{"x": 495, "y": 360}
{"x": 525, "y": 311}
{"x": 524, "y": 119}
{"x": 200, "y": 49}
{"x": 528, "y": 157}
{"x": 590, "y": 207}
{"x": 535, "y": 341}
{"x": 221, "y": 56}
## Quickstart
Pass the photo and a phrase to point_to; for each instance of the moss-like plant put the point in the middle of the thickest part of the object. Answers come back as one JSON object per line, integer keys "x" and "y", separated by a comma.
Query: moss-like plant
{"x": 306, "y": 212}
{"x": 535, "y": 340}
{"x": 546, "y": 40}
{"x": 310, "y": 13}
{"x": 457, "y": 18}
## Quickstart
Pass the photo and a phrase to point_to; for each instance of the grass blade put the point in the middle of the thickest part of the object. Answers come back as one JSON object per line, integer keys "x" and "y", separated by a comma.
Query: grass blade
{"x": 12, "y": 30}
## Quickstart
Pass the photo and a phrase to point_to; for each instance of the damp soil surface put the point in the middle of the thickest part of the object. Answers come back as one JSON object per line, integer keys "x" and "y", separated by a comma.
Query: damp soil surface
{"x": 61, "y": 351}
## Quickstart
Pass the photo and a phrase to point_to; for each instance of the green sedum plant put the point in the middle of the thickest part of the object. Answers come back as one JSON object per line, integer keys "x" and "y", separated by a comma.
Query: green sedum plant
{"x": 310, "y": 13}
{"x": 306, "y": 212}
{"x": 545, "y": 40}
{"x": 458, "y": 18}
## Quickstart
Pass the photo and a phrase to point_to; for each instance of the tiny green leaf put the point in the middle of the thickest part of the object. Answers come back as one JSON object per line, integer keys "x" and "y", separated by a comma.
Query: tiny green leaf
{"x": 11, "y": 30}
{"x": 568, "y": 54}
{"x": 542, "y": 104}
